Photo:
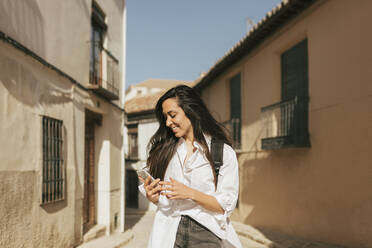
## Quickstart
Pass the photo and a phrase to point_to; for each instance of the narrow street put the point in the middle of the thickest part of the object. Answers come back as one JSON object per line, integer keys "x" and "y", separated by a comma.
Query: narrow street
{"x": 141, "y": 223}
{"x": 94, "y": 91}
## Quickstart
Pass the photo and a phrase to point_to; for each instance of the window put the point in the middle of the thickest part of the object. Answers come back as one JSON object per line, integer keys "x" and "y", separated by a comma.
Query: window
{"x": 97, "y": 33}
{"x": 286, "y": 122}
{"x": 104, "y": 82}
{"x": 133, "y": 142}
{"x": 234, "y": 124}
{"x": 53, "y": 175}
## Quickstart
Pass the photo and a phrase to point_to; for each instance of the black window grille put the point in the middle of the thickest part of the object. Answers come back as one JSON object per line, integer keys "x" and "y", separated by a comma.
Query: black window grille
{"x": 279, "y": 124}
{"x": 53, "y": 175}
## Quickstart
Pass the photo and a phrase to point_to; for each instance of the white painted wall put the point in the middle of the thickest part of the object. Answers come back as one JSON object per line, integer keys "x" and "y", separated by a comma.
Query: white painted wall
{"x": 145, "y": 132}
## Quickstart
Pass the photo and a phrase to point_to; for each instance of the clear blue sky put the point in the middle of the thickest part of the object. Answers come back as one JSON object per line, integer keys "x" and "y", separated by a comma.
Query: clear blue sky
{"x": 179, "y": 39}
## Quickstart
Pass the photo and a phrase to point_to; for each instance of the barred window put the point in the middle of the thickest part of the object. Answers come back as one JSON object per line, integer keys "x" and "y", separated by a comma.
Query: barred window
{"x": 53, "y": 175}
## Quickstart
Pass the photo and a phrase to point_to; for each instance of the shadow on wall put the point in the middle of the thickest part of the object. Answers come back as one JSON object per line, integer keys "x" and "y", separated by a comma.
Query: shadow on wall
{"x": 317, "y": 193}
{"x": 271, "y": 184}
{"x": 271, "y": 181}
{"x": 25, "y": 86}
{"x": 23, "y": 21}
{"x": 40, "y": 89}
{"x": 79, "y": 170}
{"x": 276, "y": 239}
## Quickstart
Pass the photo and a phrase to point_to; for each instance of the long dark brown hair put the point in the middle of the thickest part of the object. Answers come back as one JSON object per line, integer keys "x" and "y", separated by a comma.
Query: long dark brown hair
{"x": 162, "y": 145}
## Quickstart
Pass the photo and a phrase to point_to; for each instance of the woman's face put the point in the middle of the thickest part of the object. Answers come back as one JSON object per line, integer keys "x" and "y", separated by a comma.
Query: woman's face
{"x": 176, "y": 120}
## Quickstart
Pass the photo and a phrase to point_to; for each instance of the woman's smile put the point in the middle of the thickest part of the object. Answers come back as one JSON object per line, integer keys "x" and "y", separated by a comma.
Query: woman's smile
{"x": 176, "y": 119}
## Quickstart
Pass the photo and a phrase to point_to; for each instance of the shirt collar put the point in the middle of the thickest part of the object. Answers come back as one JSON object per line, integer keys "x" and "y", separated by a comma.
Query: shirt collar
{"x": 196, "y": 144}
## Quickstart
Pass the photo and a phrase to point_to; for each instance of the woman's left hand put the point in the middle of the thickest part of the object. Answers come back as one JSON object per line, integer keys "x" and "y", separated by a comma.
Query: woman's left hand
{"x": 175, "y": 190}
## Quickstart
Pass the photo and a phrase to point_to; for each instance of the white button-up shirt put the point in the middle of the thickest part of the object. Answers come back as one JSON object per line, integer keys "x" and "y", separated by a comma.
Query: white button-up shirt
{"x": 197, "y": 173}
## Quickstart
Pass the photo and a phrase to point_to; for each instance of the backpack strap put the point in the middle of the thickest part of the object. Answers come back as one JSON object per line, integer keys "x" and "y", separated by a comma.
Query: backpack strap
{"x": 217, "y": 155}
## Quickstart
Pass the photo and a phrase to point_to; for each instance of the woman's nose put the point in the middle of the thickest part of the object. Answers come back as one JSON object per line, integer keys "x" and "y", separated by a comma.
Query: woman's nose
{"x": 168, "y": 122}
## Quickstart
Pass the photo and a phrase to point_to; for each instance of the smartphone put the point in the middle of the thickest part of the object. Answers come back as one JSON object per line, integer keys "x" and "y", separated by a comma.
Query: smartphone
{"x": 144, "y": 174}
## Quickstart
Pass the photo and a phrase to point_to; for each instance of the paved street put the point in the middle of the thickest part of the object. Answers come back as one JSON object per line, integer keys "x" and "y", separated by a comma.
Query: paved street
{"x": 138, "y": 227}
{"x": 141, "y": 224}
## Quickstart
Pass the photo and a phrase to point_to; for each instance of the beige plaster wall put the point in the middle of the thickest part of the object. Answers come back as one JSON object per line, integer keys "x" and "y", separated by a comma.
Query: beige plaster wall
{"x": 323, "y": 192}
{"x": 108, "y": 142}
{"x": 52, "y": 30}
{"x": 61, "y": 36}
{"x": 29, "y": 90}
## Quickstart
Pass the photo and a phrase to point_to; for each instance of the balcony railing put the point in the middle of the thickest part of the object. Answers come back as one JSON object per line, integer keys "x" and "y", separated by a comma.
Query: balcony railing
{"x": 234, "y": 126}
{"x": 104, "y": 73}
{"x": 282, "y": 125}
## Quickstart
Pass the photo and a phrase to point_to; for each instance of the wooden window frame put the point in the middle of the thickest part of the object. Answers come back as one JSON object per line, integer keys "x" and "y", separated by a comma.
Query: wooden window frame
{"x": 97, "y": 25}
{"x": 133, "y": 151}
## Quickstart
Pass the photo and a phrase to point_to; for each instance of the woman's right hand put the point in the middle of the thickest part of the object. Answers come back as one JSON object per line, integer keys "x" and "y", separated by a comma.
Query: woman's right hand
{"x": 152, "y": 188}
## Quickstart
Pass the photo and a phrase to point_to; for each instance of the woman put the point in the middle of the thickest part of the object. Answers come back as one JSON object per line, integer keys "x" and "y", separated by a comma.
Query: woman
{"x": 193, "y": 206}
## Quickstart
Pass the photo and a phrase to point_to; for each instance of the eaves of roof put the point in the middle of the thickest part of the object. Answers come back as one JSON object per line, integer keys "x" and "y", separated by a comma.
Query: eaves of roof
{"x": 140, "y": 117}
{"x": 142, "y": 103}
{"x": 273, "y": 21}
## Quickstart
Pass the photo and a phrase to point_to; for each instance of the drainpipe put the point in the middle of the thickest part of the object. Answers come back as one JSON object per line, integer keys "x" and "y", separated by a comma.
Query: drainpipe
{"x": 122, "y": 157}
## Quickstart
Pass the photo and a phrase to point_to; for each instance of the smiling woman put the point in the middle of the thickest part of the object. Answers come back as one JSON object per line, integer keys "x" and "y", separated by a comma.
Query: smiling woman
{"x": 176, "y": 119}
{"x": 193, "y": 210}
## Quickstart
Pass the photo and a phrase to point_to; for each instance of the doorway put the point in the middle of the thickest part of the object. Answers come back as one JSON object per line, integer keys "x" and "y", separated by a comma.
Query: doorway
{"x": 131, "y": 189}
{"x": 89, "y": 203}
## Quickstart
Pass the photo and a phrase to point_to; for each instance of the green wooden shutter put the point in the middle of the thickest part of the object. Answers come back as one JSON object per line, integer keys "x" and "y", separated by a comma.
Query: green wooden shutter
{"x": 294, "y": 67}
{"x": 235, "y": 108}
{"x": 294, "y": 64}
{"x": 235, "y": 101}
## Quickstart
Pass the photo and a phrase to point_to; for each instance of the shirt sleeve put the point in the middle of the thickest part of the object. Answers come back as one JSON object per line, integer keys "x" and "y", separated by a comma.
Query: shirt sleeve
{"x": 141, "y": 189}
{"x": 228, "y": 183}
